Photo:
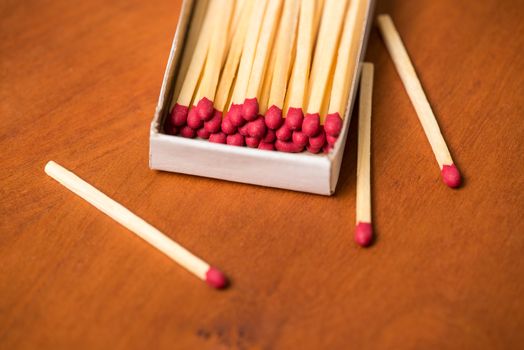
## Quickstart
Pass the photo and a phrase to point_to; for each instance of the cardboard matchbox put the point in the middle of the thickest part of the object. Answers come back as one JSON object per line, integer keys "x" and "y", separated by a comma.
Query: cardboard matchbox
{"x": 306, "y": 172}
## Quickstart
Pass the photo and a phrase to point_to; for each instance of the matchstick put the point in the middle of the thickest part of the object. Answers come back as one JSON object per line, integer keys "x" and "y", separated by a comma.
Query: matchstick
{"x": 364, "y": 229}
{"x": 282, "y": 62}
{"x": 341, "y": 80}
{"x": 266, "y": 86}
{"x": 142, "y": 229}
{"x": 227, "y": 77}
{"x": 217, "y": 52}
{"x": 246, "y": 62}
{"x": 449, "y": 172}
{"x": 184, "y": 99}
{"x": 328, "y": 38}
{"x": 296, "y": 94}
{"x": 235, "y": 21}
{"x": 192, "y": 39}
{"x": 256, "y": 78}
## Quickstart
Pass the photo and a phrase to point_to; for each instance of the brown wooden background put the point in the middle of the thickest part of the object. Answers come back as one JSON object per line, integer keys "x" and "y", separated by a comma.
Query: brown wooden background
{"x": 79, "y": 83}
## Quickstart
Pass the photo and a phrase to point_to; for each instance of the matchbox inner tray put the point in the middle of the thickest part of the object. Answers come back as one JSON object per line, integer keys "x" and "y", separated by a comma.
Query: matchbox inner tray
{"x": 306, "y": 172}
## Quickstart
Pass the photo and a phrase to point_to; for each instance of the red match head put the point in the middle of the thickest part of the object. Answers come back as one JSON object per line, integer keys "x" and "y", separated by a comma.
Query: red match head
{"x": 242, "y": 130}
{"x": 451, "y": 176}
{"x": 257, "y": 128}
{"x": 311, "y": 124}
{"x": 364, "y": 234}
{"x": 250, "y": 109}
{"x": 287, "y": 146}
{"x": 188, "y": 132}
{"x": 252, "y": 142}
{"x": 319, "y": 140}
{"x": 300, "y": 139}
{"x": 193, "y": 120}
{"x": 313, "y": 149}
{"x": 235, "y": 115}
{"x": 274, "y": 117}
{"x": 333, "y": 124}
{"x": 216, "y": 279}
{"x": 270, "y": 136}
{"x": 284, "y": 133}
{"x": 218, "y": 137}
{"x": 235, "y": 140}
{"x": 203, "y": 133}
{"x": 331, "y": 140}
{"x": 205, "y": 109}
{"x": 179, "y": 115}
{"x": 228, "y": 127}
{"x": 213, "y": 125}
{"x": 294, "y": 118}
{"x": 266, "y": 146}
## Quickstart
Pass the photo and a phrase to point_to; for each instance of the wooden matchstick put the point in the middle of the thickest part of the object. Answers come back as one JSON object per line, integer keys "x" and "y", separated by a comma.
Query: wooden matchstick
{"x": 282, "y": 63}
{"x": 341, "y": 80}
{"x": 328, "y": 38}
{"x": 198, "y": 59}
{"x": 266, "y": 86}
{"x": 235, "y": 21}
{"x": 246, "y": 62}
{"x": 364, "y": 229}
{"x": 449, "y": 172}
{"x": 297, "y": 90}
{"x": 192, "y": 39}
{"x": 215, "y": 57}
{"x": 142, "y": 229}
{"x": 227, "y": 77}
{"x": 256, "y": 77}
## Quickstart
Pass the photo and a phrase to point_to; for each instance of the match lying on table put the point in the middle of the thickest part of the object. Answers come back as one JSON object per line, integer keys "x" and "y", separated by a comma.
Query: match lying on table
{"x": 250, "y": 70}
{"x": 449, "y": 172}
{"x": 211, "y": 275}
{"x": 364, "y": 229}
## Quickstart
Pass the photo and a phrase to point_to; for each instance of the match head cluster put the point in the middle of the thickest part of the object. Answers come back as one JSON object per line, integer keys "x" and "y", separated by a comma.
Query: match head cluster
{"x": 267, "y": 132}
{"x": 266, "y": 74}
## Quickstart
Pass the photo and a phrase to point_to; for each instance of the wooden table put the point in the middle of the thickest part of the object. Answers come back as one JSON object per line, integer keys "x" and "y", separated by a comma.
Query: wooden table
{"x": 79, "y": 83}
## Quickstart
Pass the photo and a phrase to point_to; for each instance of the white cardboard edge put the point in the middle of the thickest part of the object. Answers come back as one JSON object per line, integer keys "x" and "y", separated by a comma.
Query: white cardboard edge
{"x": 303, "y": 172}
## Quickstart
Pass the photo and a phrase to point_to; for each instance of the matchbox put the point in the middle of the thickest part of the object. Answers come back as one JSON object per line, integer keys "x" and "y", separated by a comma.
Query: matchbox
{"x": 304, "y": 171}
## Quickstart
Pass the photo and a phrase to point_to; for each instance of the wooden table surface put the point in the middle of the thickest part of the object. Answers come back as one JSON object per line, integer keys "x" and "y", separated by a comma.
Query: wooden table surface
{"x": 79, "y": 83}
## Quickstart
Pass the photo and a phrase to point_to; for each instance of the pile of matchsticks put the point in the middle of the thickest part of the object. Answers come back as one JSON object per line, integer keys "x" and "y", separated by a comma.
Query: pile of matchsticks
{"x": 268, "y": 74}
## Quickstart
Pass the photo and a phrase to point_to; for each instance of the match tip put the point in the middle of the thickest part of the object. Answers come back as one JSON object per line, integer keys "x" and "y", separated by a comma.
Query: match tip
{"x": 333, "y": 124}
{"x": 228, "y": 127}
{"x": 311, "y": 124}
{"x": 300, "y": 139}
{"x": 235, "y": 115}
{"x": 179, "y": 115}
{"x": 250, "y": 109}
{"x": 451, "y": 176}
{"x": 193, "y": 119}
{"x": 213, "y": 125}
{"x": 318, "y": 141}
{"x": 218, "y": 137}
{"x": 294, "y": 118}
{"x": 205, "y": 109}
{"x": 215, "y": 278}
{"x": 364, "y": 234}
{"x": 284, "y": 133}
{"x": 188, "y": 132}
{"x": 274, "y": 117}
{"x": 257, "y": 128}
{"x": 235, "y": 140}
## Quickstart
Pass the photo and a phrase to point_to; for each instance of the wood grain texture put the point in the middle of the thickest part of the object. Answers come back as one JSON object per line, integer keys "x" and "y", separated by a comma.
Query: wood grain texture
{"x": 79, "y": 83}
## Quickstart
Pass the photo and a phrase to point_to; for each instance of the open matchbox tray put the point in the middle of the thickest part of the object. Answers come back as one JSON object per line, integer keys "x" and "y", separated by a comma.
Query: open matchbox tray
{"x": 306, "y": 172}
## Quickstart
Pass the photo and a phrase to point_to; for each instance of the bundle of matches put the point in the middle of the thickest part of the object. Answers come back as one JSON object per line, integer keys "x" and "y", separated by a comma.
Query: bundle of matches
{"x": 270, "y": 74}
